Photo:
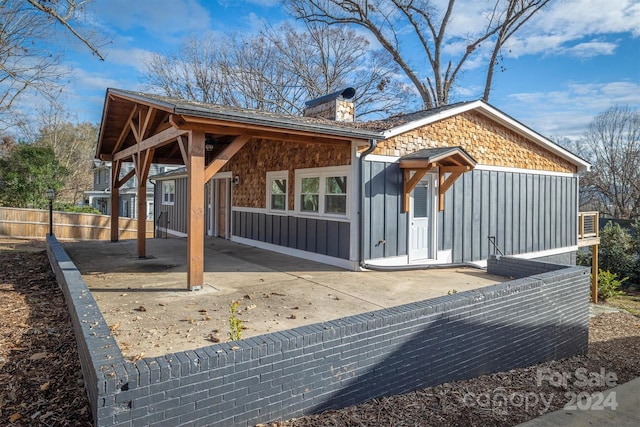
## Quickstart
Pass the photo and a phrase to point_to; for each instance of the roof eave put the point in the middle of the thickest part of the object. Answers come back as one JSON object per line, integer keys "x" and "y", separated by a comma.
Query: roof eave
{"x": 280, "y": 123}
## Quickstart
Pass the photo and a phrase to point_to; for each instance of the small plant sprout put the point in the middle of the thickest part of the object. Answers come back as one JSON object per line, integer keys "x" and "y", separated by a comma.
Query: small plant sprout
{"x": 235, "y": 324}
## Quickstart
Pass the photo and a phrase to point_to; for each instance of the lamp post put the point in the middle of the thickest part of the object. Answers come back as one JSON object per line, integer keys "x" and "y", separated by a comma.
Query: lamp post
{"x": 51, "y": 194}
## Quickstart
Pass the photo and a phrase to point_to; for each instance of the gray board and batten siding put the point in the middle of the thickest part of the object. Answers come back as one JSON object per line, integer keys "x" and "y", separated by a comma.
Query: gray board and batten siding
{"x": 320, "y": 236}
{"x": 174, "y": 216}
{"x": 525, "y": 212}
{"x": 316, "y": 235}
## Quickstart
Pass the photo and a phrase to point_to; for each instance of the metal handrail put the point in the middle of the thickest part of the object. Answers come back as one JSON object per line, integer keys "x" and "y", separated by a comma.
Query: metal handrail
{"x": 492, "y": 240}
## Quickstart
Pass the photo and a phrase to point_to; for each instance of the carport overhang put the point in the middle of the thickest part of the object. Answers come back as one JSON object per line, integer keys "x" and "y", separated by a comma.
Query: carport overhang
{"x": 145, "y": 129}
{"x": 450, "y": 162}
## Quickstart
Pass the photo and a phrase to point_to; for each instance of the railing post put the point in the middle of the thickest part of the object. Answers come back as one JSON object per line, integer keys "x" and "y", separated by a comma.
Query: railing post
{"x": 594, "y": 274}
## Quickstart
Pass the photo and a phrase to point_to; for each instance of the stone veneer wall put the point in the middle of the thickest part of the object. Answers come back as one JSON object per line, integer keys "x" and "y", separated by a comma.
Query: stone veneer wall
{"x": 332, "y": 364}
{"x": 258, "y": 157}
{"x": 488, "y": 142}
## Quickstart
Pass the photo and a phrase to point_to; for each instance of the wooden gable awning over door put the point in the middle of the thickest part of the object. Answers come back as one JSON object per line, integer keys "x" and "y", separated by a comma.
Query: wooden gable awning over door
{"x": 147, "y": 128}
{"x": 453, "y": 161}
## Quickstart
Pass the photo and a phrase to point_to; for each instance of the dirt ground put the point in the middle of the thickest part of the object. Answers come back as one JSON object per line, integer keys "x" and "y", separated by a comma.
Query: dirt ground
{"x": 41, "y": 380}
{"x": 40, "y": 374}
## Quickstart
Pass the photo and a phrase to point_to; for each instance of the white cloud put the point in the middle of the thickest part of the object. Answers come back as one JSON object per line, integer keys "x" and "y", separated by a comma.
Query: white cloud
{"x": 591, "y": 49}
{"x": 570, "y": 27}
{"x": 568, "y": 112}
{"x": 168, "y": 18}
{"x": 134, "y": 58}
{"x": 576, "y": 27}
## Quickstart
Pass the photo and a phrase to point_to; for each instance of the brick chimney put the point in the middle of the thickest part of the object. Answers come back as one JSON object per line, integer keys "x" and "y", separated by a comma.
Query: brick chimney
{"x": 334, "y": 106}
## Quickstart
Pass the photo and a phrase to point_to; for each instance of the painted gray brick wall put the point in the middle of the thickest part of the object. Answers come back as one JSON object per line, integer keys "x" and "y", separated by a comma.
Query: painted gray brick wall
{"x": 336, "y": 363}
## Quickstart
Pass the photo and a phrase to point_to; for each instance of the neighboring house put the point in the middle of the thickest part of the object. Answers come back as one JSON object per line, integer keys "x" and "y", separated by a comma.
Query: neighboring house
{"x": 100, "y": 197}
{"x": 430, "y": 187}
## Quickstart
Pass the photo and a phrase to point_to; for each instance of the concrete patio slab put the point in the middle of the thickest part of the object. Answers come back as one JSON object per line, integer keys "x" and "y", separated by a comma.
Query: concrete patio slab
{"x": 148, "y": 307}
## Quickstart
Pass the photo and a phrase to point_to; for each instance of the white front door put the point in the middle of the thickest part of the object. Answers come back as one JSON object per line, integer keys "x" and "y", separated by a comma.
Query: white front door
{"x": 420, "y": 221}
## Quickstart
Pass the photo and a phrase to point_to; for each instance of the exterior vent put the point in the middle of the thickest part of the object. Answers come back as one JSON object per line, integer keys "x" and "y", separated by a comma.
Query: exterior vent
{"x": 334, "y": 106}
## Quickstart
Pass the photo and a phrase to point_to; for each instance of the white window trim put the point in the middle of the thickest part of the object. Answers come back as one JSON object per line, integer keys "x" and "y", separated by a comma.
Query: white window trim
{"x": 162, "y": 193}
{"x": 271, "y": 176}
{"x": 322, "y": 173}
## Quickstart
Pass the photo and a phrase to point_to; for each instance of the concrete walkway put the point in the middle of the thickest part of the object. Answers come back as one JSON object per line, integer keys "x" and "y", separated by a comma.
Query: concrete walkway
{"x": 626, "y": 412}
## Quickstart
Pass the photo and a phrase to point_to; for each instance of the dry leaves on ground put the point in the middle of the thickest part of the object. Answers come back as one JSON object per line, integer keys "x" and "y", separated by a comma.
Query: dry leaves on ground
{"x": 614, "y": 348}
{"x": 40, "y": 374}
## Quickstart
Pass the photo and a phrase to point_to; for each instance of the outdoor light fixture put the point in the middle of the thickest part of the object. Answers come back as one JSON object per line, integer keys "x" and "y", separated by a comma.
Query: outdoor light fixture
{"x": 236, "y": 180}
{"x": 51, "y": 194}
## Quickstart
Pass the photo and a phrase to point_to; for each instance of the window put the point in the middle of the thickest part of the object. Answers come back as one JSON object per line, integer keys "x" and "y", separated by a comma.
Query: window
{"x": 336, "y": 195}
{"x": 323, "y": 191}
{"x": 310, "y": 194}
{"x": 277, "y": 191}
{"x": 168, "y": 192}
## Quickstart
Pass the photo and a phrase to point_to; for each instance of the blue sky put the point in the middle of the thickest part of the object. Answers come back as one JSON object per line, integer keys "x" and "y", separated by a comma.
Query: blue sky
{"x": 571, "y": 62}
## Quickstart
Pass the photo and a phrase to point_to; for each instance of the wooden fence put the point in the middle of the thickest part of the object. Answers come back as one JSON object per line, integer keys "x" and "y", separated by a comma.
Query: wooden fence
{"x": 34, "y": 224}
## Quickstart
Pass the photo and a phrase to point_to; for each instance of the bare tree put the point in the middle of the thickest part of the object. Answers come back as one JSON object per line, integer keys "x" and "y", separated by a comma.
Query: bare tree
{"x": 28, "y": 57}
{"x": 73, "y": 145}
{"x": 404, "y": 27}
{"x": 279, "y": 69}
{"x": 612, "y": 145}
{"x": 193, "y": 72}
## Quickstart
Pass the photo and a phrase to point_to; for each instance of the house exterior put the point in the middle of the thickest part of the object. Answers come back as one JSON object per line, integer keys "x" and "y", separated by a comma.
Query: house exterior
{"x": 444, "y": 186}
{"x": 100, "y": 197}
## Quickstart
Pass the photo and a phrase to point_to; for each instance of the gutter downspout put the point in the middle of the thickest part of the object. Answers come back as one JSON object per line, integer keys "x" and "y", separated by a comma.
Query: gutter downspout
{"x": 372, "y": 146}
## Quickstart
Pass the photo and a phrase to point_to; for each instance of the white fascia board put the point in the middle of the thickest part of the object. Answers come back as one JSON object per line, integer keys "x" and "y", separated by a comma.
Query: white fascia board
{"x": 499, "y": 117}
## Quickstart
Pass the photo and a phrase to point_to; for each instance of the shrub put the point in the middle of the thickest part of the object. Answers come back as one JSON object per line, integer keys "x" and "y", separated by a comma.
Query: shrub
{"x": 609, "y": 284}
{"x": 617, "y": 251}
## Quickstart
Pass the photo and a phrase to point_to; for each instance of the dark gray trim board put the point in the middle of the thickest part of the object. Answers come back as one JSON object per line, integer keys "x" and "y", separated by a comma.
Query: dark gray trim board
{"x": 336, "y": 363}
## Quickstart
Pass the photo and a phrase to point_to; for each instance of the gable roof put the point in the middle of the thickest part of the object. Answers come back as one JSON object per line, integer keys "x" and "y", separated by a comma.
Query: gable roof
{"x": 397, "y": 125}
{"x": 119, "y": 104}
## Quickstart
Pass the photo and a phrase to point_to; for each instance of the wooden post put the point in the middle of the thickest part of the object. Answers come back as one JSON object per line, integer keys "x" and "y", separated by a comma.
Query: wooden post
{"x": 594, "y": 273}
{"x": 195, "y": 210}
{"x": 115, "y": 200}
{"x": 142, "y": 218}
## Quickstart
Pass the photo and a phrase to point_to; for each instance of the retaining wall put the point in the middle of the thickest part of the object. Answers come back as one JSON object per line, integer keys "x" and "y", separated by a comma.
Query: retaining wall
{"x": 336, "y": 363}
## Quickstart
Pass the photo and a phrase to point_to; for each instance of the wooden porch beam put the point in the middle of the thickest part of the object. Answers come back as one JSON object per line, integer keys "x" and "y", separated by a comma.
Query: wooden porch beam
{"x": 183, "y": 150}
{"x": 158, "y": 140}
{"x": 455, "y": 169}
{"x": 445, "y": 184}
{"x": 115, "y": 201}
{"x": 226, "y": 154}
{"x": 143, "y": 167}
{"x": 195, "y": 210}
{"x": 255, "y": 131}
{"x": 125, "y": 130}
{"x": 135, "y": 132}
{"x": 410, "y": 183}
{"x": 125, "y": 178}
